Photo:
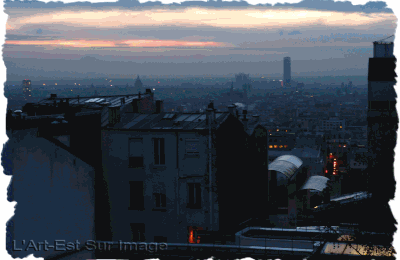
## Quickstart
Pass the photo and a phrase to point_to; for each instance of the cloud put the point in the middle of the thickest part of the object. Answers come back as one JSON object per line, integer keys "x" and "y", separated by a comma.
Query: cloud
{"x": 294, "y": 33}
{"x": 370, "y": 7}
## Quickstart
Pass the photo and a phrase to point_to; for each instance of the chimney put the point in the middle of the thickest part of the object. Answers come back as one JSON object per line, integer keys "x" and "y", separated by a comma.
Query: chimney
{"x": 245, "y": 120}
{"x": 122, "y": 101}
{"x": 257, "y": 118}
{"x": 148, "y": 91}
{"x": 78, "y": 99}
{"x": 140, "y": 95}
{"x": 211, "y": 105}
{"x": 159, "y": 106}
{"x": 210, "y": 114}
{"x": 114, "y": 115}
{"x": 232, "y": 109}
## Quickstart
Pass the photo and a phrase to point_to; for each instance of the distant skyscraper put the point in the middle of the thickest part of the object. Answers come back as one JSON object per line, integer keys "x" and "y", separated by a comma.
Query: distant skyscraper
{"x": 382, "y": 121}
{"x": 27, "y": 89}
{"x": 286, "y": 71}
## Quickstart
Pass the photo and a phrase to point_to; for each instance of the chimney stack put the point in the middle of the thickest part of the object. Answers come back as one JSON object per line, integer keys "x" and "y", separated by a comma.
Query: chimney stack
{"x": 257, "y": 118}
{"x": 122, "y": 101}
{"x": 211, "y": 105}
{"x": 114, "y": 115}
{"x": 78, "y": 99}
{"x": 140, "y": 95}
{"x": 210, "y": 113}
{"x": 232, "y": 110}
{"x": 148, "y": 91}
{"x": 159, "y": 106}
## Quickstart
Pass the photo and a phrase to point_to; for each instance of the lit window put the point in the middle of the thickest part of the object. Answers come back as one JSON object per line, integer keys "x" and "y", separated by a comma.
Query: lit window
{"x": 271, "y": 146}
{"x": 281, "y": 146}
{"x": 285, "y": 146}
{"x": 275, "y": 146}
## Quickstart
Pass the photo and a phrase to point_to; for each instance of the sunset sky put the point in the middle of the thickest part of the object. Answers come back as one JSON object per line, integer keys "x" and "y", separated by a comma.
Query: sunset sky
{"x": 124, "y": 38}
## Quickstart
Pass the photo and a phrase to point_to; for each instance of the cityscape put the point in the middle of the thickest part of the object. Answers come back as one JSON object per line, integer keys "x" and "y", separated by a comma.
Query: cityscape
{"x": 228, "y": 163}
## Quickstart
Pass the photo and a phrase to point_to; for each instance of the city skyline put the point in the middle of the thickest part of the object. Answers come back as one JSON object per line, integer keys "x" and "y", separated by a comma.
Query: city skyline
{"x": 57, "y": 40}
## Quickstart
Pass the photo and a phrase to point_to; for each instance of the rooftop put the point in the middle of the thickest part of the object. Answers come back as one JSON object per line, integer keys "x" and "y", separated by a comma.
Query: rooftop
{"x": 168, "y": 120}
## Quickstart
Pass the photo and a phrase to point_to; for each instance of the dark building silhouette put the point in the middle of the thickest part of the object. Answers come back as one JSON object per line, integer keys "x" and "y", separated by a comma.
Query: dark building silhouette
{"x": 382, "y": 119}
{"x": 382, "y": 127}
{"x": 287, "y": 72}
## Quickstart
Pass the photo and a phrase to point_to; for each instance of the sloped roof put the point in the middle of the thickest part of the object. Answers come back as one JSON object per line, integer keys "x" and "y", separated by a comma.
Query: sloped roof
{"x": 318, "y": 183}
{"x": 286, "y": 164}
{"x": 174, "y": 121}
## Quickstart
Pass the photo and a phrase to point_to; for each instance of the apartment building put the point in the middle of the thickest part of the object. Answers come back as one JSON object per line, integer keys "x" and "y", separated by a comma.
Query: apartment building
{"x": 171, "y": 177}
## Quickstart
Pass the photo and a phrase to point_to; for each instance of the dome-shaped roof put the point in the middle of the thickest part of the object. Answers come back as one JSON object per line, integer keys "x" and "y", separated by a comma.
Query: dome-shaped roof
{"x": 286, "y": 164}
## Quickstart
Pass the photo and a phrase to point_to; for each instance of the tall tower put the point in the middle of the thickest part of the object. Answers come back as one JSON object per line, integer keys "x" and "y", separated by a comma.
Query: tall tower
{"x": 382, "y": 121}
{"x": 27, "y": 89}
{"x": 286, "y": 72}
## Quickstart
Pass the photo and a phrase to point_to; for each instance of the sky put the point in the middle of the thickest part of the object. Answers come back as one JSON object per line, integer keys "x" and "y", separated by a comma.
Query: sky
{"x": 118, "y": 39}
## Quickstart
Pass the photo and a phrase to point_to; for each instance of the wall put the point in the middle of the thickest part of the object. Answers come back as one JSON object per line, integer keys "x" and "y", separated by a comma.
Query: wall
{"x": 172, "y": 178}
{"x": 54, "y": 194}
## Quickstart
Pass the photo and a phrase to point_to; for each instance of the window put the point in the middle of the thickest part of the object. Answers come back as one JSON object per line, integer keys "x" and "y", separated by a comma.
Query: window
{"x": 159, "y": 151}
{"x": 138, "y": 230}
{"x": 271, "y": 146}
{"x": 136, "y": 153}
{"x": 275, "y": 146}
{"x": 285, "y": 146}
{"x": 194, "y": 196}
{"x": 136, "y": 195}
{"x": 281, "y": 146}
{"x": 160, "y": 239}
{"x": 192, "y": 146}
{"x": 161, "y": 200}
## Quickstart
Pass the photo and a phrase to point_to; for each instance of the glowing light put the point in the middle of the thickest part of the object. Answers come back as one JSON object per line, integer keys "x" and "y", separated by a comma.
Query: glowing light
{"x": 154, "y": 89}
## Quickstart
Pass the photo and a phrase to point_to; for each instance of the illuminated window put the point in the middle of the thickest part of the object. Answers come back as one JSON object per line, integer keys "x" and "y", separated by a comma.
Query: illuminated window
{"x": 285, "y": 146}
{"x": 275, "y": 146}
{"x": 271, "y": 146}
{"x": 281, "y": 146}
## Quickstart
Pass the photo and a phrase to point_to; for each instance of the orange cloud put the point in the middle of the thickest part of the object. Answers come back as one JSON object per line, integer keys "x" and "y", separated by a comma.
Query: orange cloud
{"x": 252, "y": 18}
{"x": 129, "y": 43}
